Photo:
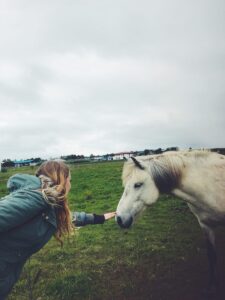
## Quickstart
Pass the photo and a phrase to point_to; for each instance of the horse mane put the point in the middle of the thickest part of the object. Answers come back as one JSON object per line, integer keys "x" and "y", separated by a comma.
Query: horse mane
{"x": 165, "y": 169}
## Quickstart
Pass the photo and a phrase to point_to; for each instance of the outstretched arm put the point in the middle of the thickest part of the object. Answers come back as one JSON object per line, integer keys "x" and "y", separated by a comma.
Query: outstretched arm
{"x": 82, "y": 218}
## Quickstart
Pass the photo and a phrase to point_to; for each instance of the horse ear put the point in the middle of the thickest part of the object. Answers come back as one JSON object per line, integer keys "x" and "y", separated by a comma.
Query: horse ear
{"x": 137, "y": 163}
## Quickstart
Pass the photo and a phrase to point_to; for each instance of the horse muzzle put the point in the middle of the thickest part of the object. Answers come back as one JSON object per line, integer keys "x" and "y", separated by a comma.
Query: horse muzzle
{"x": 124, "y": 221}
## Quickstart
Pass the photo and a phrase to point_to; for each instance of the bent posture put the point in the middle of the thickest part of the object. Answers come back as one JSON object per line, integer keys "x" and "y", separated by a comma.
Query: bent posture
{"x": 197, "y": 177}
{"x": 34, "y": 211}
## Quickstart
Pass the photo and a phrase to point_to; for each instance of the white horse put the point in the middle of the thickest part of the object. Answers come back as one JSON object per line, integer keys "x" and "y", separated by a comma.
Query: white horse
{"x": 198, "y": 177}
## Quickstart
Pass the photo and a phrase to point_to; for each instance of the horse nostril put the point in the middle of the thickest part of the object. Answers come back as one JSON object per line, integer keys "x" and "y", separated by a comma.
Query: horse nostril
{"x": 119, "y": 221}
{"x": 124, "y": 223}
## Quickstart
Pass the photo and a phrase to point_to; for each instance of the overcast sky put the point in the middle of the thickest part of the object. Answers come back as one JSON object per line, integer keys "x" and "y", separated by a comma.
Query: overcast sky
{"x": 99, "y": 76}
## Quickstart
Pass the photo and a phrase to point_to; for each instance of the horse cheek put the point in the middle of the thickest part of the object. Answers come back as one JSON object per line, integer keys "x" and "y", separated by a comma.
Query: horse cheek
{"x": 151, "y": 195}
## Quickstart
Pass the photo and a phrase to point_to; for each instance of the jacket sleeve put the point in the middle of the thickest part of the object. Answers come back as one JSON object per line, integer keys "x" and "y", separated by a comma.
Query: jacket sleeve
{"x": 18, "y": 208}
{"x": 82, "y": 219}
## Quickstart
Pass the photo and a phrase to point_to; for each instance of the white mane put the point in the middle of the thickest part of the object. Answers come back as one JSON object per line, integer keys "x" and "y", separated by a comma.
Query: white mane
{"x": 166, "y": 169}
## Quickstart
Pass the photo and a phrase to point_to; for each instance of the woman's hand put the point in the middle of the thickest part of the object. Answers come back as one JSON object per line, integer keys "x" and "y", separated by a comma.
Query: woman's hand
{"x": 109, "y": 215}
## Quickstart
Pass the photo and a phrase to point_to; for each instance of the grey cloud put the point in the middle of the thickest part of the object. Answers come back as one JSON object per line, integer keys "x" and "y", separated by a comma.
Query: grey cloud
{"x": 102, "y": 76}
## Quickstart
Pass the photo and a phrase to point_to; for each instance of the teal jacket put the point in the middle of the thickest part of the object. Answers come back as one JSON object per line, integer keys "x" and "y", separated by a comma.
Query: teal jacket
{"x": 27, "y": 222}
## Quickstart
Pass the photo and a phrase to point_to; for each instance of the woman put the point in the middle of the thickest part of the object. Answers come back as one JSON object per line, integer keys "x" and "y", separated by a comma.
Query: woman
{"x": 35, "y": 210}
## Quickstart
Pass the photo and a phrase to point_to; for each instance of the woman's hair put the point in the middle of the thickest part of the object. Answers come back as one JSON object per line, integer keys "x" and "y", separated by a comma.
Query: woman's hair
{"x": 54, "y": 175}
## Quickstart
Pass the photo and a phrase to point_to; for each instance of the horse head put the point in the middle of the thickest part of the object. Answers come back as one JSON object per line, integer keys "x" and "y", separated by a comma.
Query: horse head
{"x": 140, "y": 191}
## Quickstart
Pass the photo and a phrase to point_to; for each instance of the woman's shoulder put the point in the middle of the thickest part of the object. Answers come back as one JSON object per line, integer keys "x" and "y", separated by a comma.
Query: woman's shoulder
{"x": 23, "y": 181}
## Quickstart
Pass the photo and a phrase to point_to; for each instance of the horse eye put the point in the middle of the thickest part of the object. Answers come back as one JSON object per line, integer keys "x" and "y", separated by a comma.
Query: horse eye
{"x": 138, "y": 185}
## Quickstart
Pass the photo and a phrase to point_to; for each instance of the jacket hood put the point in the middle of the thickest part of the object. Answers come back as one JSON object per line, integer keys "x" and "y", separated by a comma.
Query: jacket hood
{"x": 23, "y": 181}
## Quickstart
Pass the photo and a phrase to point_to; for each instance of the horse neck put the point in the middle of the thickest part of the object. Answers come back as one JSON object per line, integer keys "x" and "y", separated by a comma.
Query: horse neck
{"x": 192, "y": 185}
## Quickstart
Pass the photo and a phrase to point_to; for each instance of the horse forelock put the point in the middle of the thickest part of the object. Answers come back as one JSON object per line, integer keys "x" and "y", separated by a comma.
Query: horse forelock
{"x": 128, "y": 169}
{"x": 166, "y": 171}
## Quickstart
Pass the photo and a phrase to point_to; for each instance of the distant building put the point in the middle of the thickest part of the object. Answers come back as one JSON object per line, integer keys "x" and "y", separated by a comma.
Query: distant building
{"x": 122, "y": 155}
{"x": 21, "y": 163}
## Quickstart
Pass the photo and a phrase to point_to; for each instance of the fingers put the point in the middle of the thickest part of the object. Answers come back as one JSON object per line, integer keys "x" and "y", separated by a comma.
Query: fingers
{"x": 109, "y": 215}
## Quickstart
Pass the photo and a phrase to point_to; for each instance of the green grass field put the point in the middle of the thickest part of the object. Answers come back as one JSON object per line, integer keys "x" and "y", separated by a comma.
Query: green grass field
{"x": 161, "y": 257}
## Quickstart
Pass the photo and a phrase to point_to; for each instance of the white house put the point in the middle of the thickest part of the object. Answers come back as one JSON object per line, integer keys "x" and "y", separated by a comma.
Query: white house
{"x": 122, "y": 155}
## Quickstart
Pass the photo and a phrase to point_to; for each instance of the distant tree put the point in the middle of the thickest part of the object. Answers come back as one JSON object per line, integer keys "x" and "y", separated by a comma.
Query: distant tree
{"x": 6, "y": 163}
{"x": 172, "y": 149}
{"x": 69, "y": 157}
{"x": 72, "y": 157}
{"x": 146, "y": 152}
{"x": 158, "y": 151}
{"x": 37, "y": 160}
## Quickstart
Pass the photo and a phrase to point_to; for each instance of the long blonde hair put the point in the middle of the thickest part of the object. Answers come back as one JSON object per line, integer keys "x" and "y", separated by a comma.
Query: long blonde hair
{"x": 54, "y": 175}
